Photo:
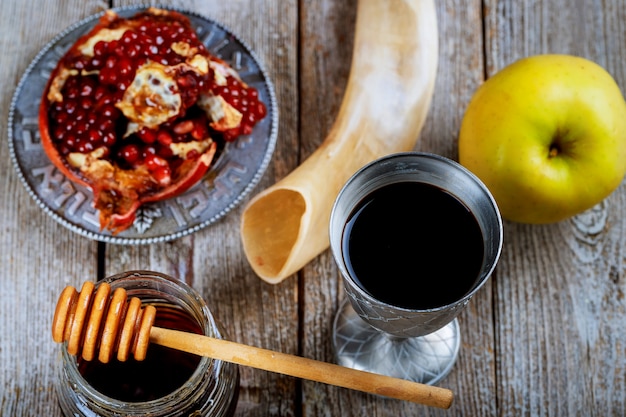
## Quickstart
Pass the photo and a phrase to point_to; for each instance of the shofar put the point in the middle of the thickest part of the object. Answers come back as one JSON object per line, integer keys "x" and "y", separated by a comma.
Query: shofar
{"x": 387, "y": 98}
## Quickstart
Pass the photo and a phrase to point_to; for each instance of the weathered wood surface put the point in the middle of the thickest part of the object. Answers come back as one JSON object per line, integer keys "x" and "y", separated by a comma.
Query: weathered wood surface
{"x": 545, "y": 336}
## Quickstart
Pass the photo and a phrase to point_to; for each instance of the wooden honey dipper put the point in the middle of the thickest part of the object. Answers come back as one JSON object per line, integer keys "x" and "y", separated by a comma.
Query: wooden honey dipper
{"x": 79, "y": 320}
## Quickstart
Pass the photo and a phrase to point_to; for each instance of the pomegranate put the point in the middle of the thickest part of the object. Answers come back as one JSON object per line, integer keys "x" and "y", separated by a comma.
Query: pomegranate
{"x": 137, "y": 109}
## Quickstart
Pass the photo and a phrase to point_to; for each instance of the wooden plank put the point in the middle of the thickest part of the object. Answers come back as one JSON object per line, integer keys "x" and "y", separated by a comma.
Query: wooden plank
{"x": 461, "y": 71}
{"x": 327, "y": 29}
{"x": 325, "y": 63}
{"x": 558, "y": 299}
{"x": 212, "y": 260}
{"x": 38, "y": 256}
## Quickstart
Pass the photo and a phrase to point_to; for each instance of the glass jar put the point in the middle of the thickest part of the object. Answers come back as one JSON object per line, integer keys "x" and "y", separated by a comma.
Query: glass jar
{"x": 211, "y": 387}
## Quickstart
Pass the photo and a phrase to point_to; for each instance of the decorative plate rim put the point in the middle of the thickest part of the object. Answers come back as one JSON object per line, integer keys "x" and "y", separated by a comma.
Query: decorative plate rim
{"x": 128, "y": 240}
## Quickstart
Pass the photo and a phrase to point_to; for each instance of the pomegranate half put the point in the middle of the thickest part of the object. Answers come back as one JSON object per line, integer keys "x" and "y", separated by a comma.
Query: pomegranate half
{"x": 137, "y": 109}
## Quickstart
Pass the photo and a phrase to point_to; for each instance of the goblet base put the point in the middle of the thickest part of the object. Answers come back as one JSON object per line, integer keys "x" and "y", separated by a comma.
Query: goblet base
{"x": 425, "y": 359}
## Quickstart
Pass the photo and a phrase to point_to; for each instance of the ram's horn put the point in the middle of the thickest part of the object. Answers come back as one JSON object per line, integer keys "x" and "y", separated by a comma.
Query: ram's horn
{"x": 386, "y": 101}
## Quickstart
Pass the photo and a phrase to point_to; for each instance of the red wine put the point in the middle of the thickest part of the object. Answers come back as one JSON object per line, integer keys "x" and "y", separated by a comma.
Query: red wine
{"x": 162, "y": 372}
{"x": 413, "y": 245}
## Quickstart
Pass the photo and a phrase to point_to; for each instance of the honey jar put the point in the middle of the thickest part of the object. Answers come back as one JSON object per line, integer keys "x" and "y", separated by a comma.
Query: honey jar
{"x": 168, "y": 382}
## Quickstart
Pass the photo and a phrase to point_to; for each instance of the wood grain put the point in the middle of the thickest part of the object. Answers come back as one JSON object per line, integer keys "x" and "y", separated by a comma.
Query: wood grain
{"x": 327, "y": 57}
{"x": 212, "y": 260}
{"x": 557, "y": 299}
{"x": 544, "y": 337}
{"x": 36, "y": 253}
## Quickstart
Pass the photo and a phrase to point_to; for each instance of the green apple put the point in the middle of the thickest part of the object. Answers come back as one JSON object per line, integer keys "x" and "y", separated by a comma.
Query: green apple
{"x": 547, "y": 136}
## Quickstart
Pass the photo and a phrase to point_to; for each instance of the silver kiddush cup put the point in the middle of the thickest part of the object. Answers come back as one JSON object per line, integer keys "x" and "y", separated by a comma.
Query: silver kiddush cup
{"x": 415, "y": 344}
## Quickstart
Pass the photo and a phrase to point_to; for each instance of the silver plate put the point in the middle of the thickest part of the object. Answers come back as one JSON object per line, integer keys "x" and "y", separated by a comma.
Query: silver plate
{"x": 235, "y": 173}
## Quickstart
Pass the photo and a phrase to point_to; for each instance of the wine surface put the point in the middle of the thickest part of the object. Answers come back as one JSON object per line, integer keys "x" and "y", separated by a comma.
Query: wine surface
{"x": 413, "y": 245}
{"x": 162, "y": 372}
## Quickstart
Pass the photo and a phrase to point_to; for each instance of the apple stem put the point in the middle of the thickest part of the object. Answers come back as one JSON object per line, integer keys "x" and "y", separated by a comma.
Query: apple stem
{"x": 554, "y": 150}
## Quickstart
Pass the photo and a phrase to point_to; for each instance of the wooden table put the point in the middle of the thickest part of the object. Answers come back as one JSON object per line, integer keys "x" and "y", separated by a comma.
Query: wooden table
{"x": 544, "y": 337}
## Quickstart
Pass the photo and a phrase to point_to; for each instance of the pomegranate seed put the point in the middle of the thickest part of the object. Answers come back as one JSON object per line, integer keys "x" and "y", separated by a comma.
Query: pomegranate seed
{"x": 162, "y": 175}
{"x": 109, "y": 139}
{"x": 133, "y": 51}
{"x": 109, "y": 111}
{"x": 70, "y": 141}
{"x": 96, "y": 62}
{"x": 224, "y": 92}
{"x": 94, "y": 136}
{"x": 72, "y": 82}
{"x": 186, "y": 81}
{"x": 192, "y": 154}
{"x": 154, "y": 161}
{"x": 231, "y": 134}
{"x": 112, "y": 46}
{"x": 246, "y": 129}
{"x": 164, "y": 151}
{"x": 99, "y": 49}
{"x": 106, "y": 125}
{"x": 70, "y": 107}
{"x": 71, "y": 92}
{"x": 84, "y": 146}
{"x": 86, "y": 103}
{"x": 120, "y": 50}
{"x": 199, "y": 131}
{"x": 261, "y": 111}
{"x": 58, "y": 107}
{"x": 104, "y": 100}
{"x": 251, "y": 119}
{"x": 110, "y": 62}
{"x": 108, "y": 76}
{"x": 59, "y": 133}
{"x": 183, "y": 127}
{"x": 61, "y": 118}
{"x": 99, "y": 92}
{"x": 92, "y": 118}
{"x": 147, "y": 135}
{"x": 130, "y": 153}
{"x": 164, "y": 137}
{"x": 81, "y": 127}
{"x": 80, "y": 114}
{"x": 80, "y": 64}
{"x": 127, "y": 37}
{"x": 147, "y": 151}
{"x": 125, "y": 67}
{"x": 86, "y": 89}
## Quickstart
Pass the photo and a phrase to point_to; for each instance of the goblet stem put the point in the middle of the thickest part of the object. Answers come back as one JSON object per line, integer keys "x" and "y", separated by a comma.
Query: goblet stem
{"x": 393, "y": 338}
{"x": 425, "y": 359}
